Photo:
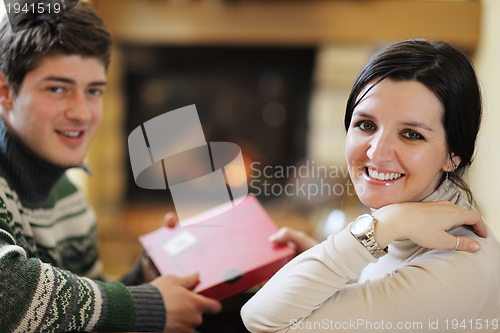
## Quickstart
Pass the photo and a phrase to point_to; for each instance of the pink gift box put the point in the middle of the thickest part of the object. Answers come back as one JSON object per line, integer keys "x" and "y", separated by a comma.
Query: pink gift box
{"x": 231, "y": 251}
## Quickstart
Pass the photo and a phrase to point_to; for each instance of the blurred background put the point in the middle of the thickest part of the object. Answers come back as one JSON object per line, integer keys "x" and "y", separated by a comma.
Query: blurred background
{"x": 272, "y": 76}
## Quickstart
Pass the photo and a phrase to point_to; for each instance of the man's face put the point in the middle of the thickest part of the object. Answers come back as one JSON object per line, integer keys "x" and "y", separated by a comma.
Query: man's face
{"x": 58, "y": 108}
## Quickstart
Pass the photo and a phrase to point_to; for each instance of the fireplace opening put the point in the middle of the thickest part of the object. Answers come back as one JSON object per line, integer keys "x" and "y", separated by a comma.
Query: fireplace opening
{"x": 256, "y": 97}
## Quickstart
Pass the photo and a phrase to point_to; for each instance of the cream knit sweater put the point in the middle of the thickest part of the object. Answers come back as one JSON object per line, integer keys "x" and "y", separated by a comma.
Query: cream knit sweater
{"x": 412, "y": 289}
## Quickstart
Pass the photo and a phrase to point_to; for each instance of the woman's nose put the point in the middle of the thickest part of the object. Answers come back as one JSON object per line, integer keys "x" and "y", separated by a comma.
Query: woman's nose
{"x": 381, "y": 148}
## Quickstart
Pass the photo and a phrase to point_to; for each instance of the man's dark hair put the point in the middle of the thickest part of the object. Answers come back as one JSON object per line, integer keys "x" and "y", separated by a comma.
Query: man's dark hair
{"x": 448, "y": 73}
{"x": 78, "y": 32}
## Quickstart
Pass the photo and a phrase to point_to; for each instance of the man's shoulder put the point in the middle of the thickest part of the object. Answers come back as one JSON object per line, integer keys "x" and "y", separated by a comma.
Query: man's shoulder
{"x": 5, "y": 187}
{"x": 65, "y": 186}
{"x": 65, "y": 191}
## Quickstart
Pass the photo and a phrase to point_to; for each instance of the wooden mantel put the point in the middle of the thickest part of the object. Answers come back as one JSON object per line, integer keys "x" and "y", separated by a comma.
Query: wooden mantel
{"x": 290, "y": 22}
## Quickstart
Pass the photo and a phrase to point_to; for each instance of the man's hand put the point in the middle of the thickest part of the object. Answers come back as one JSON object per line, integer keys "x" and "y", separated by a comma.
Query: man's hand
{"x": 184, "y": 307}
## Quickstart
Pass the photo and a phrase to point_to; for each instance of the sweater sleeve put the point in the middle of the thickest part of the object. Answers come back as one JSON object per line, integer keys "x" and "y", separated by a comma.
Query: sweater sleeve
{"x": 311, "y": 293}
{"x": 37, "y": 297}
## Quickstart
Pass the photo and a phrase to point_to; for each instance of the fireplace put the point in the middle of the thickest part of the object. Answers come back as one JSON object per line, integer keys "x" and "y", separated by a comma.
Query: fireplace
{"x": 256, "y": 97}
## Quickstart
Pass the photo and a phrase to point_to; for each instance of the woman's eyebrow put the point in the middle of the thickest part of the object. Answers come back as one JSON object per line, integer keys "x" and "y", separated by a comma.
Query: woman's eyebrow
{"x": 417, "y": 124}
{"x": 405, "y": 123}
{"x": 362, "y": 114}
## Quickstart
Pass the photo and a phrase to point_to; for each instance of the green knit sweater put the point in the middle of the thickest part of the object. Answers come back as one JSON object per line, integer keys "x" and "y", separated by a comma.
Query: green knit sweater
{"x": 49, "y": 256}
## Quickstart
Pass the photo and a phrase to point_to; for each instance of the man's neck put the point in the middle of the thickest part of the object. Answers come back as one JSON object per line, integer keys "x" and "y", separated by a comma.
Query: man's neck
{"x": 30, "y": 177}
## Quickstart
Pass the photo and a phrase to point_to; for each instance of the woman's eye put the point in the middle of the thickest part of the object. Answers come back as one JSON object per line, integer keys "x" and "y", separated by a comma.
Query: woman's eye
{"x": 365, "y": 125}
{"x": 412, "y": 135}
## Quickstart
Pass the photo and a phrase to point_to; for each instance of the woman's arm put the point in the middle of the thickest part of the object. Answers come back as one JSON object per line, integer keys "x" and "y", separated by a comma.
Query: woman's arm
{"x": 311, "y": 289}
{"x": 426, "y": 224}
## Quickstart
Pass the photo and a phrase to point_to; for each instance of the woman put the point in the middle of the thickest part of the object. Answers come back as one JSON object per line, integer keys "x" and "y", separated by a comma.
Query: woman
{"x": 421, "y": 261}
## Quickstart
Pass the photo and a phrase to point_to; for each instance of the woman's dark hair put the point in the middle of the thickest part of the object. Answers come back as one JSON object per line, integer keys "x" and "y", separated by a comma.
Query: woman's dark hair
{"x": 447, "y": 72}
{"x": 80, "y": 31}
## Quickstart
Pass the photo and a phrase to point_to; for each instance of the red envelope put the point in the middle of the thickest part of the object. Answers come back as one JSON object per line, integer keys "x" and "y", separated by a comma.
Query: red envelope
{"x": 231, "y": 251}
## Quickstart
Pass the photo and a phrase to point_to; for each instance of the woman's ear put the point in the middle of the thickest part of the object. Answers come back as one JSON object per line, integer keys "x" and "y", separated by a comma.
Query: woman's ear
{"x": 6, "y": 94}
{"x": 452, "y": 163}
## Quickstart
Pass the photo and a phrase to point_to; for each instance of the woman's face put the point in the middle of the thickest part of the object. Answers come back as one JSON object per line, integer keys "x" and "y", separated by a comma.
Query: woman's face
{"x": 396, "y": 145}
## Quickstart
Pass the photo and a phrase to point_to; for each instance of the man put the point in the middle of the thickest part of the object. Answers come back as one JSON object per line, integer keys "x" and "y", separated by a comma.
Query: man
{"x": 52, "y": 77}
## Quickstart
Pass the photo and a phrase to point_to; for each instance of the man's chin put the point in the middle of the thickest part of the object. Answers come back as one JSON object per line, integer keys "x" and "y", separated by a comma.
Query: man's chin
{"x": 64, "y": 162}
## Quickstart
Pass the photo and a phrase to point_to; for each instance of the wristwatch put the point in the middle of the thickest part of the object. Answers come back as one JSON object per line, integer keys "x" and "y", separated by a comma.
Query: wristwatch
{"x": 363, "y": 229}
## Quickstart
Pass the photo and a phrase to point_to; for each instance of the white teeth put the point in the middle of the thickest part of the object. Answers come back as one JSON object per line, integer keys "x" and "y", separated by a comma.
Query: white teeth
{"x": 383, "y": 176}
{"x": 71, "y": 134}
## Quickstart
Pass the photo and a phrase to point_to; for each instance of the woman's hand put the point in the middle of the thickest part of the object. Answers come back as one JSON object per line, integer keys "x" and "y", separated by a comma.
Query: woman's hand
{"x": 296, "y": 239}
{"x": 170, "y": 220}
{"x": 426, "y": 224}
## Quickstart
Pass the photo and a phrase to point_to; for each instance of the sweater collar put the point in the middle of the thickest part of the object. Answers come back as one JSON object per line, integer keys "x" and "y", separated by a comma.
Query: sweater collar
{"x": 404, "y": 248}
{"x": 30, "y": 177}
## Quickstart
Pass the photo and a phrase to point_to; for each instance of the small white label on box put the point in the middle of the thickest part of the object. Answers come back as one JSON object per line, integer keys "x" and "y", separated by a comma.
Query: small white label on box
{"x": 179, "y": 243}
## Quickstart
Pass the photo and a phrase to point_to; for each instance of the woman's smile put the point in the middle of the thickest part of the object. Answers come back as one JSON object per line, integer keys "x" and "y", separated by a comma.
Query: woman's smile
{"x": 381, "y": 176}
{"x": 396, "y": 145}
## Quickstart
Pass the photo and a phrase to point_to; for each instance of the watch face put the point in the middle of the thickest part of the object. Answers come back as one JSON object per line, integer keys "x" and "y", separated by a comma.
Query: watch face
{"x": 362, "y": 224}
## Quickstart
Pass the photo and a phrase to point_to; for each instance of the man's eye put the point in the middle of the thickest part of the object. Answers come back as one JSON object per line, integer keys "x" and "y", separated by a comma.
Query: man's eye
{"x": 412, "y": 135}
{"x": 56, "y": 89}
{"x": 96, "y": 92}
{"x": 365, "y": 125}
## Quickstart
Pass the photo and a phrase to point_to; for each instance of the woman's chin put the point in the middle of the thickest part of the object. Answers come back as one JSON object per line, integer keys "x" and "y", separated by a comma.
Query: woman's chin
{"x": 377, "y": 202}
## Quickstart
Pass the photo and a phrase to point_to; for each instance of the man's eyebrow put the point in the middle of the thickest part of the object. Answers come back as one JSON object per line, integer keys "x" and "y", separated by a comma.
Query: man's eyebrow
{"x": 59, "y": 79}
{"x": 69, "y": 81}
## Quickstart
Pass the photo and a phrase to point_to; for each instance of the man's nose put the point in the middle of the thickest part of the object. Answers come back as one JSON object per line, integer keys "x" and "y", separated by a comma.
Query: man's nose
{"x": 77, "y": 108}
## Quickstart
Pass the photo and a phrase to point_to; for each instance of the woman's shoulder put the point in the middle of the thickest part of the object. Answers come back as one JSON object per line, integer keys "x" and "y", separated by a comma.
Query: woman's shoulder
{"x": 476, "y": 276}
{"x": 490, "y": 246}
{"x": 483, "y": 265}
